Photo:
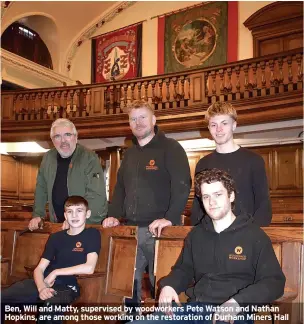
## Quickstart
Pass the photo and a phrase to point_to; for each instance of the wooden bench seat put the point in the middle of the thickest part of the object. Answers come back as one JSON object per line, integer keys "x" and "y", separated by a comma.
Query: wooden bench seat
{"x": 114, "y": 272}
{"x": 288, "y": 246}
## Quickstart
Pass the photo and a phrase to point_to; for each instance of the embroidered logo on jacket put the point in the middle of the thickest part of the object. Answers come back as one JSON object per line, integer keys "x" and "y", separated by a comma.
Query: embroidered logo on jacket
{"x": 151, "y": 165}
{"x": 78, "y": 247}
{"x": 238, "y": 254}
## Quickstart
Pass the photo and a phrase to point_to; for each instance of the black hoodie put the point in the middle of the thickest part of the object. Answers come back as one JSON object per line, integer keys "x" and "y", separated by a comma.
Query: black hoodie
{"x": 237, "y": 263}
{"x": 153, "y": 182}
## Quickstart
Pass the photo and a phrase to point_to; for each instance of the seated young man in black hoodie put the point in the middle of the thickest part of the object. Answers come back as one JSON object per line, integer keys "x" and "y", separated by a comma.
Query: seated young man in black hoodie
{"x": 230, "y": 258}
{"x": 67, "y": 253}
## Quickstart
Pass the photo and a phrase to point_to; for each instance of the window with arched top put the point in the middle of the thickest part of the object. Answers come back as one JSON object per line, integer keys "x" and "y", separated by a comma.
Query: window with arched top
{"x": 25, "y": 42}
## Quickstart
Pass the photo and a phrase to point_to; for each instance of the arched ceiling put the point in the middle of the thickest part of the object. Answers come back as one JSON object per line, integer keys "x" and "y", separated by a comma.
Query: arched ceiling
{"x": 71, "y": 18}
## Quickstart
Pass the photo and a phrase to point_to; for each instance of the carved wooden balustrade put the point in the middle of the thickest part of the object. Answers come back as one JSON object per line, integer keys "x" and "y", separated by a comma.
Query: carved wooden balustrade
{"x": 244, "y": 81}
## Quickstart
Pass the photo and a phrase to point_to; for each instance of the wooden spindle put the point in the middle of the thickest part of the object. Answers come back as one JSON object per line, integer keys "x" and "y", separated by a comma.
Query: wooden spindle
{"x": 222, "y": 85}
{"x": 281, "y": 76}
{"x": 65, "y": 104}
{"x": 33, "y": 108}
{"x": 26, "y": 107}
{"x": 45, "y": 110}
{"x": 15, "y": 108}
{"x": 146, "y": 86}
{"x": 160, "y": 94}
{"x": 262, "y": 66}
{"x": 153, "y": 83}
{"x": 188, "y": 84}
{"x": 246, "y": 82}
{"x": 111, "y": 110}
{"x": 213, "y": 78}
{"x": 19, "y": 103}
{"x": 272, "y": 83}
{"x": 125, "y": 99}
{"x": 182, "y": 91}
{"x": 85, "y": 111}
{"x": 132, "y": 85}
{"x": 175, "y": 97}
{"x": 117, "y": 98}
{"x": 299, "y": 58}
{"x": 78, "y": 112}
{"x": 139, "y": 97}
{"x": 290, "y": 76}
{"x": 88, "y": 103}
{"x": 254, "y": 80}
{"x": 59, "y": 109}
{"x": 237, "y": 70}
{"x": 229, "y": 84}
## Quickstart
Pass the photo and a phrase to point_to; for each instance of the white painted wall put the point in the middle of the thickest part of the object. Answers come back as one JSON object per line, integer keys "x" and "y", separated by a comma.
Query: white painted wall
{"x": 144, "y": 10}
{"x": 61, "y": 23}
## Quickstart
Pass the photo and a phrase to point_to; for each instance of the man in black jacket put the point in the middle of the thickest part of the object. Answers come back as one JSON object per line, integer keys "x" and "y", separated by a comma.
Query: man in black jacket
{"x": 230, "y": 259}
{"x": 246, "y": 167}
{"x": 153, "y": 184}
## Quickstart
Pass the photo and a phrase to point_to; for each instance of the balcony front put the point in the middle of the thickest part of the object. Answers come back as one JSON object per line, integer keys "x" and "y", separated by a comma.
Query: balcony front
{"x": 263, "y": 89}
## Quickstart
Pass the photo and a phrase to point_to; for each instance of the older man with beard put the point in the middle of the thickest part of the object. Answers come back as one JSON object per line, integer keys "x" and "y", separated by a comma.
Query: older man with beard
{"x": 153, "y": 184}
{"x": 69, "y": 169}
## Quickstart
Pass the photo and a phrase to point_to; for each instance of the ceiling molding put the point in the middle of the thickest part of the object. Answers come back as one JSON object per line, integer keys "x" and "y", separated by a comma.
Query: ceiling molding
{"x": 86, "y": 35}
{"x": 4, "y": 7}
{"x": 39, "y": 72}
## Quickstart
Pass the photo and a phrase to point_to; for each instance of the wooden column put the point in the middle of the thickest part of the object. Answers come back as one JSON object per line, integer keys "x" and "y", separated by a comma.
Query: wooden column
{"x": 114, "y": 166}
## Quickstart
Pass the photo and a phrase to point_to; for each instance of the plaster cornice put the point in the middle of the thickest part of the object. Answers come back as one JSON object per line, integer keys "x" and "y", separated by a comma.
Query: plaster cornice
{"x": 4, "y": 7}
{"x": 86, "y": 35}
{"x": 22, "y": 63}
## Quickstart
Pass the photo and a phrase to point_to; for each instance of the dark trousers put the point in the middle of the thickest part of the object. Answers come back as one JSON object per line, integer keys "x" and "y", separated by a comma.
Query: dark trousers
{"x": 23, "y": 293}
{"x": 144, "y": 258}
{"x": 187, "y": 316}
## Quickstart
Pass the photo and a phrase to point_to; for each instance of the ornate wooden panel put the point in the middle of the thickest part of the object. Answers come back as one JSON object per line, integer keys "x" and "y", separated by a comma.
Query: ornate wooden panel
{"x": 288, "y": 170}
{"x": 27, "y": 178}
{"x": 9, "y": 177}
{"x": 266, "y": 154}
{"x": 277, "y": 27}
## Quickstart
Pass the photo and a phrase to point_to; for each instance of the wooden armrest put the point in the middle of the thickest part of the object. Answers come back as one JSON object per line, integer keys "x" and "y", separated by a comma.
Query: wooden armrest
{"x": 288, "y": 296}
{"x": 30, "y": 270}
{"x": 5, "y": 260}
{"x": 93, "y": 275}
{"x": 149, "y": 301}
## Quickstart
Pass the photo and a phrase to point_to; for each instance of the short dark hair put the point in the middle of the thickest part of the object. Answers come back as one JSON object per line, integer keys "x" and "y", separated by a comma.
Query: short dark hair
{"x": 76, "y": 201}
{"x": 214, "y": 175}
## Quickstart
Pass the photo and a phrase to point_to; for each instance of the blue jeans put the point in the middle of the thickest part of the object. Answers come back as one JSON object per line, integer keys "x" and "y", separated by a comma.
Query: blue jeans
{"x": 190, "y": 313}
{"x": 144, "y": 258}
{"x": 25, "y": 292}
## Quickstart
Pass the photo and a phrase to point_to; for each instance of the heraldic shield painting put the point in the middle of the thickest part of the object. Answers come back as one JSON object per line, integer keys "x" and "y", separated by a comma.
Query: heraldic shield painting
{"x": 196, "y": 38}
{"x": 117, "y": 55}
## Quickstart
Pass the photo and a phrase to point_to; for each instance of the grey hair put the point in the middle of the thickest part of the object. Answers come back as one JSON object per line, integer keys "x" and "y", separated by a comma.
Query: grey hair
{"x": 63, "y": 122}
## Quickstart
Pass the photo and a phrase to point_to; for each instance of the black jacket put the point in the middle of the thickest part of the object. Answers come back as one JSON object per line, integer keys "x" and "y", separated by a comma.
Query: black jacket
{"x": 237, "y": 263}
{"x": 153, "y": 182}
{"x": 252, "y": 192}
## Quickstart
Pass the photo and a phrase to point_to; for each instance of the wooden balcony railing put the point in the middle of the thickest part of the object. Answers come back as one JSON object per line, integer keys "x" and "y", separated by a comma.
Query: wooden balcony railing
{"x": 247, "y": 79}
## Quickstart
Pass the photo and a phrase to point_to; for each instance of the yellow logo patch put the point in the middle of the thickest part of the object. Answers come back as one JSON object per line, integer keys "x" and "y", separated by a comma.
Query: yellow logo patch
{"x": 151, "y": 165}
{"x": 238, "y": 254}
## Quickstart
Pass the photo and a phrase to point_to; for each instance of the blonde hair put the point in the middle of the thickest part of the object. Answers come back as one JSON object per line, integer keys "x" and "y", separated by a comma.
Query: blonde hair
{"x": 63, "y": 122}
{"x": 221, "y": 108}
{"x": 136, "y": 104}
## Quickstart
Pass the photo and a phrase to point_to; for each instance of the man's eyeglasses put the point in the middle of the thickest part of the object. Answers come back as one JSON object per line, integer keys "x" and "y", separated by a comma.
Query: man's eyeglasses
{"x": 65, "y": 136}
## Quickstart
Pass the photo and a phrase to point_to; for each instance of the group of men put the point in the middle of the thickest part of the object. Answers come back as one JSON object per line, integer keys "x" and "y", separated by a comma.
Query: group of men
{"x": 153, "y": 184}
